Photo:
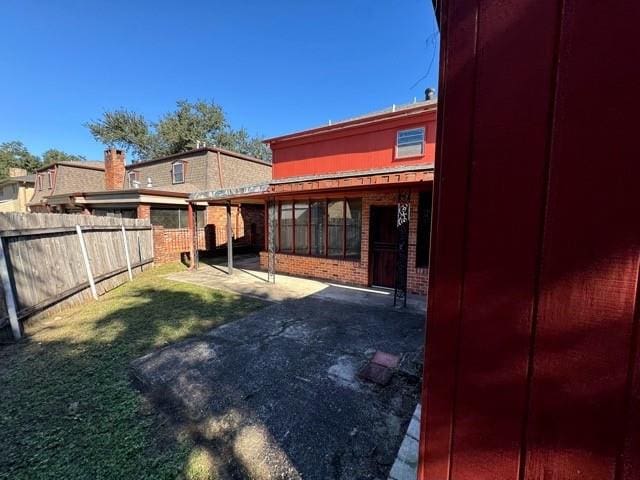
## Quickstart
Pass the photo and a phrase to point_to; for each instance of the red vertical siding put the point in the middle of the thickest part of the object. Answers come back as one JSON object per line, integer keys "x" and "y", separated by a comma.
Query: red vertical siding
{"x": 531, "y": 366}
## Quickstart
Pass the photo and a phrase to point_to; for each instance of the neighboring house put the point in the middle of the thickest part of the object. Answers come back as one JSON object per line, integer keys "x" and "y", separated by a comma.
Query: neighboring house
{"x": 158, "y": 189}
{"x": 337, "y": 194}
{"x": 16, "y": 191}
{"x": 61, "y": 178}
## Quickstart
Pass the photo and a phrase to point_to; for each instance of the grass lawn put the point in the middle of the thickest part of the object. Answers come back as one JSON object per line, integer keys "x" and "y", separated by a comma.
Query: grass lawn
{"x": 67, "y": 407}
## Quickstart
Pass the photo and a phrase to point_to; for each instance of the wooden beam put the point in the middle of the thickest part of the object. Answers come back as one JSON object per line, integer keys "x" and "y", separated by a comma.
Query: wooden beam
{"x": 26, "y": 232}
{"x": 87, "y": 265}
{"x": 126, "y": 252}
{"x": 8, "y": 293}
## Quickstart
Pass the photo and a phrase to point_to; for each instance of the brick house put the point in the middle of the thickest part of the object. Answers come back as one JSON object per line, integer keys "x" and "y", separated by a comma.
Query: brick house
{"x": 158, "y": 189}
{"x": 338, "y": 194}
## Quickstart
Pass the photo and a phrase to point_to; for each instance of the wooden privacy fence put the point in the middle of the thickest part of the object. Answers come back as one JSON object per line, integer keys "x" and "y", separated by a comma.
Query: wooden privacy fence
{"x": 48, "y": 261}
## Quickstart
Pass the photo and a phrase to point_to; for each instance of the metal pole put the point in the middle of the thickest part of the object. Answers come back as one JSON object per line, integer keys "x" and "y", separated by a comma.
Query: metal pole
{"x": 229, "y": 240}
{"x": 87, "y": 265}
{"x": 192, "y": 234}
{"x": 126, "y": 252}
{"x": 8, "y": 293}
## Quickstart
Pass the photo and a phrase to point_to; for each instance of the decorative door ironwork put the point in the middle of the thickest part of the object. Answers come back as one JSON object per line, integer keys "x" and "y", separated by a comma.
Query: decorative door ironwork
{"x": 404, "y": 207}
{"x": 273, "y": 217}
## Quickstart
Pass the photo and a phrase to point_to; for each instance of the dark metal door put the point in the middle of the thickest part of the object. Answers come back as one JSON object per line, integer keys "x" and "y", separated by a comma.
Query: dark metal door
{"x": 384, "y": 245}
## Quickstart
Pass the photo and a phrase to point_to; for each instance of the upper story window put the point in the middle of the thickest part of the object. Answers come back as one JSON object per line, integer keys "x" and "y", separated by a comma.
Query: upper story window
{"x": 178, "y": 172}
{"x": 410, "y": 143}
{"x": 39, "y": 181}
{"x": 132, "y": 178}
{"x": 50, "y": 179}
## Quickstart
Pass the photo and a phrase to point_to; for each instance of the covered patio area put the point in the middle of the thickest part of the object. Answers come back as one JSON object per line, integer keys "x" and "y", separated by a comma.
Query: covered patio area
{"x": 361, "y": 228}
{"x": 248, "y": 279}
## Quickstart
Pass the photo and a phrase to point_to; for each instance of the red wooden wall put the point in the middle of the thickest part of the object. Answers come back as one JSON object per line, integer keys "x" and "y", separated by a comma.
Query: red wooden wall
{"x": 532, "y": 365}
{"x": 360, "y": 147}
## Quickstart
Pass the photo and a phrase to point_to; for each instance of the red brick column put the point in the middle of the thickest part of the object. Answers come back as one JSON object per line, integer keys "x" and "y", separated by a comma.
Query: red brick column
{"x": 143, "y": 211}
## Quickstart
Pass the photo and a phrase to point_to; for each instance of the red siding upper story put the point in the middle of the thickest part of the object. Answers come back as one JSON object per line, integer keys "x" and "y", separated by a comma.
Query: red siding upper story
{"x": 361, "y": 144}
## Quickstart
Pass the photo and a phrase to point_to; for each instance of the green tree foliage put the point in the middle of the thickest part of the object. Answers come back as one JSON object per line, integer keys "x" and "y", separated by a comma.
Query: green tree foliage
{"x": 52, "y": 156}
{"x": 15, "y": 154}
{"x": 181, "y": 130}
{"x": 126, "y": 130}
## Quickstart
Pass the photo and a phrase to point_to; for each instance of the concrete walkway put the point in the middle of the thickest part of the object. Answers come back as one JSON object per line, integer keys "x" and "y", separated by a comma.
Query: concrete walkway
{"x": 249, "y": 280}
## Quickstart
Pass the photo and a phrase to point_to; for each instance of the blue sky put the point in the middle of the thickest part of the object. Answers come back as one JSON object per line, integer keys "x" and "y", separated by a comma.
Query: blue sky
{"x": 275, "y": 66}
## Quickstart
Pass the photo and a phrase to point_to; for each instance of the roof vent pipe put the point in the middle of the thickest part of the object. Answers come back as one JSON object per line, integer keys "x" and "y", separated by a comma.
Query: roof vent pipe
{"x": 429, "y": 94}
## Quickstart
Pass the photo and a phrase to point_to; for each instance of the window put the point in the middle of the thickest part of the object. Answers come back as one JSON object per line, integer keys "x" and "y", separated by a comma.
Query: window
{"x": 301, "y": 222}
{"x": 321, "y": 228}
{"x": 133, "y": 179}
{"x": 286, "y": 227}
{"x": 50, "y": 179}
{"x": 410, "y": 143}
{"x": 39, "y": 179}
{"x": 177, "y": 217}
{"x": 335, "y": 222}
{"x": 115, "y": 212}
{"x": 318, "y": 214}
{"x": 424, "y": 229}
{"x": 178, "y": 172}
{"x": 353, "y": 226}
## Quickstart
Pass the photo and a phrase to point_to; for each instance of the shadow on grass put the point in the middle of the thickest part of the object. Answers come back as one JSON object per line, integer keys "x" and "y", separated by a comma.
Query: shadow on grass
{"x": 68, "y": 408}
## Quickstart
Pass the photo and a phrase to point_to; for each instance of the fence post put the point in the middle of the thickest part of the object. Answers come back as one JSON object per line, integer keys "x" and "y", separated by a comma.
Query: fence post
{"x": 126, "y": 252}
{"x": 8, "y": 293}
{"x": 85, "y": 255}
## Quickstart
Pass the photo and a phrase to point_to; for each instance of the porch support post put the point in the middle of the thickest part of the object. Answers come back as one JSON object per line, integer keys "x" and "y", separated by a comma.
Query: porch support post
{"x": 192, "y": 236}
{"x": 271, "y": 240}
{"x": 400, "y": 291}
{"x": 229, "y": 241}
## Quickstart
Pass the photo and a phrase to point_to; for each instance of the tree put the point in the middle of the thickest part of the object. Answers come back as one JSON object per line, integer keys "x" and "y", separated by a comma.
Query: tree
{"x": 15, "y": 154}
{"x": 126, "y": 130}
{"x": 176, "y": 132}
{"x": 52, "y": 155}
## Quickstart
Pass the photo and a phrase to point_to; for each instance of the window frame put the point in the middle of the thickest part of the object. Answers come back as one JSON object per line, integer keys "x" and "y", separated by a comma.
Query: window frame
{"x": 325, "y": 247}
{"x": 173, "y": 171}
{"x": 39, "y": 181}
{"x": 134, "y": 174}
{"x": 50, "y": 179}
{"x": 423, "y": 260}
{"x": 422, "y": 143}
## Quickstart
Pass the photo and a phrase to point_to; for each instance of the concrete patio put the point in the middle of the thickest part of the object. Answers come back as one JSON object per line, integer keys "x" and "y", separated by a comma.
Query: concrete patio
{"x": 277, "y": 394}
{"x": 247, "y": 279}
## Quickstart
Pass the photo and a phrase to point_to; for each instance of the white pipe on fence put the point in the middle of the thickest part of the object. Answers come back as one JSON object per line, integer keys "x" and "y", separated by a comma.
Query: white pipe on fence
{"x": 126, "y": 252}
{"x": 85, "y": 255}
{"x": 8, "y": 294}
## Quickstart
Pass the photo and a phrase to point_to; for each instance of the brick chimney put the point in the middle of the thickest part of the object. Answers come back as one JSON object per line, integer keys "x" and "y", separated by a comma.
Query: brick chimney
{"x": 113, "y": 169}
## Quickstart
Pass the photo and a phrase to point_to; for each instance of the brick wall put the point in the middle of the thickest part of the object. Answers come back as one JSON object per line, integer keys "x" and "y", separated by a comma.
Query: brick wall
{"x": 242, "y": 219}
{"x": 356, "y": 272}
{"x": 171, "y": 243}
{"x": 143, "y": 211}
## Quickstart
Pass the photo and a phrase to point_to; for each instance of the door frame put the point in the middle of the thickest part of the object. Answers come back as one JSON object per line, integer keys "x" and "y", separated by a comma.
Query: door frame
{"x": 370, "y": 245}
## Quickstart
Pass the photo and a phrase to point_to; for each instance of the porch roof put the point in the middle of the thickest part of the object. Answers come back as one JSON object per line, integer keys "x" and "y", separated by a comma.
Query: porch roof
{"x": 375, "y": 178}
